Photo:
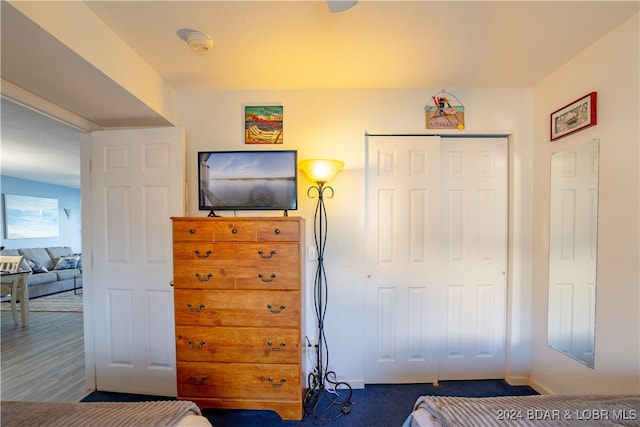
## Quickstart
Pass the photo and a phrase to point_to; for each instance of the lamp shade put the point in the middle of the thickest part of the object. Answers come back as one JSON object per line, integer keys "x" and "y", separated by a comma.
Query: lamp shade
{"x": 321, "y": 171}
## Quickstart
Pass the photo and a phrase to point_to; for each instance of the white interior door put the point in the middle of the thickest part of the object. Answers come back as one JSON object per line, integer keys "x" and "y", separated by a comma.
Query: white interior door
{"x": 436, "y": 261}
{"x": 137, "y": 184}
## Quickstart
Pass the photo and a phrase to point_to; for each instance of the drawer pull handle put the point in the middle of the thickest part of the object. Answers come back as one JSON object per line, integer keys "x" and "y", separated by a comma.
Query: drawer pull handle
{"x": 198, "y": 346}
{"x": 262, "y": 255}
{"x": 277, "y": 231}
{"x": 234, "y": 231}
{"x": 275, "y": 310}
{"x": 192, "y": 231}
{"x": 203, "y": 278}
{"x": 199, "y": 255}
{"x": 270, "y": 344}
{"x": 195, "y": 310}
{"x": 277, "y": 384}
{"x": 196, "y": 381}
{"x": 261, "y": 276}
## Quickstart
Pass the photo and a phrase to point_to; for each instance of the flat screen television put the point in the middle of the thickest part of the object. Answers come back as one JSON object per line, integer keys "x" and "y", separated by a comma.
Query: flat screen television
{"x": 248, "y": 180}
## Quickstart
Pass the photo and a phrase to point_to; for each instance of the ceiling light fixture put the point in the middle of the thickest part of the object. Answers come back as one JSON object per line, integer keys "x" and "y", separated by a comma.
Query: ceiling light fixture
{"x": 199, "y": 42}
{"x": 337, "y": 6}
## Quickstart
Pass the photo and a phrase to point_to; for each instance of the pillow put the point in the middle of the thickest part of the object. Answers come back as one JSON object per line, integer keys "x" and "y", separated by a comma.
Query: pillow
{"x": 79, "y": 260}
{"x": 67, "y": 262}
{"x": 37, "y": 266}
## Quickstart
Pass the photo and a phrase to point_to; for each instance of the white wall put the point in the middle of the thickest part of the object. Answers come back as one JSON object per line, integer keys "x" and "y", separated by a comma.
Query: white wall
{"x": 332, "y": 123}
{"x": 609, "y": 67}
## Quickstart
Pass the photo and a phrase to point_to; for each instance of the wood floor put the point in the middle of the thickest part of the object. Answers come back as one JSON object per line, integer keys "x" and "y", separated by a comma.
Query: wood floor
{"x": 45, "y": 361}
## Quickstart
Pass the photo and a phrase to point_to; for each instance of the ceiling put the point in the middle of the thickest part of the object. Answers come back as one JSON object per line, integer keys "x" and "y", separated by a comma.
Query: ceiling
{"x": 38, "y": 148}
{"x": 293, "y": 45}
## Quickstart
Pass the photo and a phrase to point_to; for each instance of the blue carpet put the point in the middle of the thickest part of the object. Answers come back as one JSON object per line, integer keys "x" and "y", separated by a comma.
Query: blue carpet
{"x": 385, "y": 405}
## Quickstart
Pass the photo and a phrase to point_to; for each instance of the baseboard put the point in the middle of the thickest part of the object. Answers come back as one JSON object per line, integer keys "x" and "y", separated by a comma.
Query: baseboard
{"x": 357, "y": 383}
{"x": 540, "y": 387}
{"x": 518, "y": 380}
{"x": 353, "y": 383}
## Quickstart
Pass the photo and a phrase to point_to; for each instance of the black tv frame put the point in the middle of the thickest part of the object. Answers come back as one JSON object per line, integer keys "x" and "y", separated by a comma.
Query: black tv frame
{"x": 236, "y": 168}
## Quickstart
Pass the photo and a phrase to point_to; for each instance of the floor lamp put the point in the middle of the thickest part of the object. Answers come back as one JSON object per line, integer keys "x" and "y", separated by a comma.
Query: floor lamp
{"x": 327, "y": 398}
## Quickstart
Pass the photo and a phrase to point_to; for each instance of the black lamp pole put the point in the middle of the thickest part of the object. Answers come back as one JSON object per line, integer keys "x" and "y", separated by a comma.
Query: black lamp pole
{"x": 322, "y": 404}
{"x": 320, "y": 284}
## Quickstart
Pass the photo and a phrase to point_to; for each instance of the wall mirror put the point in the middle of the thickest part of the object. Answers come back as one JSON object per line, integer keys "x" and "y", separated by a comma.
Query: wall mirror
{"x": 573, "y": 235}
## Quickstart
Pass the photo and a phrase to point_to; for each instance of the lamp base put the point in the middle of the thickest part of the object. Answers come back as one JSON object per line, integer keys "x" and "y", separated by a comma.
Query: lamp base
{"x": 326, "y": 404}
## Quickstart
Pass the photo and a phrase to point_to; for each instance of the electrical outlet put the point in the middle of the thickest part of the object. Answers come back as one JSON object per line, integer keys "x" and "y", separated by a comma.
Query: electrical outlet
{"x": 312, "y": 347}
{"x": 311, "y": 253}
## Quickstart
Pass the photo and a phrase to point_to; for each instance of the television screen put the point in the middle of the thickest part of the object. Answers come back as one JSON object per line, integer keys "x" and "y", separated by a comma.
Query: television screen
{"x": 248, "y": 180}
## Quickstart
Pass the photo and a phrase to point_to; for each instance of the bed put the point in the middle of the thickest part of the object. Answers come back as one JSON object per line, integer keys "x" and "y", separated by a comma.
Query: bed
{"x": 538, "y": 411}
{"x": 168, "y": 413}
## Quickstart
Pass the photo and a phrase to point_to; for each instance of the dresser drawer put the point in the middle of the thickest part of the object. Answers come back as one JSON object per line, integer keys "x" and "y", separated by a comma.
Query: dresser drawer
{"x": 267, "y": 253}
{"x": 238, "y": 380}
{"x": 234, "y": 231}
{"x": 204, "y": 277}
{"x": 278, "y": 231}
{"x": 233, "y": 344}
{"x": 203, "y": 252}
{"x": 237, "y": 308}
{"x": 193, "y": 230}
{"x": 267, "y": 277}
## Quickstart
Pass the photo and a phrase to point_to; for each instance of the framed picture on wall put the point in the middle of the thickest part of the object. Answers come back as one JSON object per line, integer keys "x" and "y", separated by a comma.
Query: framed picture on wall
{"x": 578, "y": 115}
{"x": 263, "y": 125}
{"x": 27, "y": 217}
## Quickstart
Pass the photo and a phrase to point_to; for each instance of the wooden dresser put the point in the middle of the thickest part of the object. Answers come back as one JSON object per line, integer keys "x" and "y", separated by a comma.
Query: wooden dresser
{"x": 238, "y": 287}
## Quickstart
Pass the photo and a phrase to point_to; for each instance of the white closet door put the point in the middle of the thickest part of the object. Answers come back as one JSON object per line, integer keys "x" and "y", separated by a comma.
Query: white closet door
{"x": 436, "y": 258}
{"x": 137, "y": 184}
{"x": 403, "y": 209}
{"x": 472, "y": 294}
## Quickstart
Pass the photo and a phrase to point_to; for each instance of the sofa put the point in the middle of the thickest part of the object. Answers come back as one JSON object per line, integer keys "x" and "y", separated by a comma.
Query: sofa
{"x": 52, "y": 269}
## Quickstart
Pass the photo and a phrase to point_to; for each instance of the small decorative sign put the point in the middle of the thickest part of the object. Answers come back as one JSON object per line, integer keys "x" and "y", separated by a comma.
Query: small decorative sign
{"x": 263, "y": 125}
{"x": 440, "y": 113}
{"x": 578, "y": 115}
